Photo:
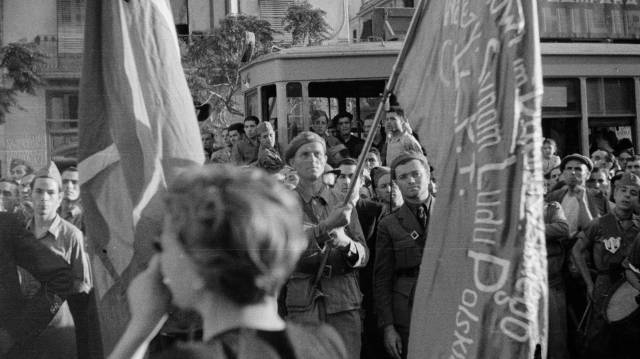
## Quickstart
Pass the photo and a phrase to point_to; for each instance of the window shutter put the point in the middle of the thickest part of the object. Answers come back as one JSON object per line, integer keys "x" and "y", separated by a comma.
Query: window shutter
{"x": 274, "y": 11}
{"x": 70, "y": 15}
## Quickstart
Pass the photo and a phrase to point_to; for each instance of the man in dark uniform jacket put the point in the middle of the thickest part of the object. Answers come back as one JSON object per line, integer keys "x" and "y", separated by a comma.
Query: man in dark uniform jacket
{"x": 399, "y": 246}
{"x": 22, "y": 319}
{"x": 369, "y": 215}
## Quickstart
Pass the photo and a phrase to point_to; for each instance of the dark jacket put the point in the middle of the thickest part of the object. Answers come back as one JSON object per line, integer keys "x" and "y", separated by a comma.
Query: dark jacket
{"x": 25, "y": 318}
{"x": 339, "y": 285}
{"x": 399, "y": 247}
{"x": 556, "y": 231}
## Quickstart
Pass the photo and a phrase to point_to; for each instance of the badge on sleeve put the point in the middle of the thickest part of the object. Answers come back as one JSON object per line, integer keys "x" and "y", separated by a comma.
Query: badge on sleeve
{"x": 414, "y": 235}
{"x": 612, "y": 244}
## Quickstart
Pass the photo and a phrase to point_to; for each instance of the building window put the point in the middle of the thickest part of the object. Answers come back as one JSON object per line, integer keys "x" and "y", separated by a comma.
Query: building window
{"x": 62, "y": 125}
{"x": 609, "y": 110}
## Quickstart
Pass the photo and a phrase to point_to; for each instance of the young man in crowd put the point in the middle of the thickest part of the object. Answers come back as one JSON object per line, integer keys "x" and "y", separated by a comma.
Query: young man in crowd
{"x": 607, "y": 241}
{"x": 327, "y": 293}
{"x": 268, "y": 157}
{"x": 599, "y": 179}
{"x": 245, "y": 151}
{"x": 369, "y": 215}
{"x": 342, "y": 122}
{"x": 400, "y": 139}
{"x": 399, "y": 247}
{"x": 65, "y": 240}
{"x": 71, "y": 207}
{"x": 9, "y": 195}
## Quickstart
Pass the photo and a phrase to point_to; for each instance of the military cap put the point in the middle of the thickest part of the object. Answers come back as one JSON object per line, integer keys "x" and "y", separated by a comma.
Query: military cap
{"x": 628, "y": 179}
{"x": 300, "y": 140}
{"x": 577, "y": 157}
{"x": 50, "y": 171}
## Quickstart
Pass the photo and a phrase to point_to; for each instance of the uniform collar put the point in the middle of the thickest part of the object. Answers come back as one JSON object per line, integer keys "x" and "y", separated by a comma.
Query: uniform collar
{"x": 323, "y": 194}
{"x": 54, "y": 229}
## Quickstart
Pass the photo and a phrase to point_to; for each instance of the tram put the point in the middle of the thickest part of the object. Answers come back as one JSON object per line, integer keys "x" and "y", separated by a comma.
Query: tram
{"x": 590, "y": 88}
{"x": 287, "y": 86}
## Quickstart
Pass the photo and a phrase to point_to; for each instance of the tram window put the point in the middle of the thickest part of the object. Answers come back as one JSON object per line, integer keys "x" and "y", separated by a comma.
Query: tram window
{"x": 251, "y": 104}
{"x": 604, "y": 133}
{"x": 295, "y": 113}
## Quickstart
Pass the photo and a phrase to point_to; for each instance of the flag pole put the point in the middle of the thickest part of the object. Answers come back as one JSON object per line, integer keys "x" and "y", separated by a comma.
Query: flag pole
{"x": 393, "y": 79}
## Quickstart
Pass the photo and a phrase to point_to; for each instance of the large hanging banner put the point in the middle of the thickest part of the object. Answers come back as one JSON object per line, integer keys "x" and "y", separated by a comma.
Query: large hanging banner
{"x": 138, "y": 130}
{"x": 471, "y": 87}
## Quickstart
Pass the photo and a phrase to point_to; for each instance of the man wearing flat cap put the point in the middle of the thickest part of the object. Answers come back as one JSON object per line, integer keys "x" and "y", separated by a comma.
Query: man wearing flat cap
{"x": 268, "y": 157}
{"x": 607, "y": 241}
{"x": 326, "y": 293}
{"x": 580, "y": 205}
{"x": 402, "y": 236}
{"x": 66, "y": 241}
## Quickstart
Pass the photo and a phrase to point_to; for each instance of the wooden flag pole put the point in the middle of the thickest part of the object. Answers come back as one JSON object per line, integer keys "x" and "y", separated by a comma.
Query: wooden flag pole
{"x": 393, "y": 79}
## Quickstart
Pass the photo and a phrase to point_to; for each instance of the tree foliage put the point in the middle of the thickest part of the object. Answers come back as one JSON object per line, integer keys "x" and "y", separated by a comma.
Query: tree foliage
{"x": 212, "y": 61}
{"x": 20, "y": 66}
{"x": 306, "y": 24}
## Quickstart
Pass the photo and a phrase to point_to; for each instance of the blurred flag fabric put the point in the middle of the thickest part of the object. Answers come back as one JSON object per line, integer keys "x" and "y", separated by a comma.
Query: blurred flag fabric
{"x": 471, "y": 87}
{"x": 137, "y": 130}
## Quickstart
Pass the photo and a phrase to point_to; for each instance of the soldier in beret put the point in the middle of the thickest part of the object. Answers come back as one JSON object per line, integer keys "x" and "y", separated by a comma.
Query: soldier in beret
{"x": 327, "y": 293}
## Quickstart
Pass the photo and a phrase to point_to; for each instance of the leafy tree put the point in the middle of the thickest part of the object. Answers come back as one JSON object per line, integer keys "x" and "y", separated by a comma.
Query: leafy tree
{"x": 20, "y": 66}
{"x": 306, "y": 24}
{"x": 212, "y": 61}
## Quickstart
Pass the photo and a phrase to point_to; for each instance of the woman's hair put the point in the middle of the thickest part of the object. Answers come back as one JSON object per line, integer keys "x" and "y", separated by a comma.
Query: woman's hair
{"x": 240, "y": 226}
{"x": 316, "y": 114}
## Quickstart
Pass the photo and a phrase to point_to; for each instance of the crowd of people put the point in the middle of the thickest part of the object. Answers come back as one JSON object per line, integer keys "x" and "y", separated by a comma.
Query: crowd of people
{"x": 280, "y": 259}
{"x": 592, "y": 226}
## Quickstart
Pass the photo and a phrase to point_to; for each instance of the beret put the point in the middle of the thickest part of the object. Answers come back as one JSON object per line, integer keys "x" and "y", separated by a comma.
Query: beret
{"x": 628, "y": 179}
{"x": 264, "y": 127}
{"x": 577, "y": 157}
{"x": 300, "y": 140}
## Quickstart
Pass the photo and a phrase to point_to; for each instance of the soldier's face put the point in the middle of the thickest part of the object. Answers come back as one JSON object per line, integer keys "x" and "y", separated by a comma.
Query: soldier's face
{"x": 345, "y": 178}
{"x": 413, "y": 180}
{"x": 388, "y": 192}
{"x": 70, "y": 185}
{"x": 8, "y": 196}
{"x": 309, "y": 161}
{"x": 46, "y": 197}
{"x": 626, "y": 197}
